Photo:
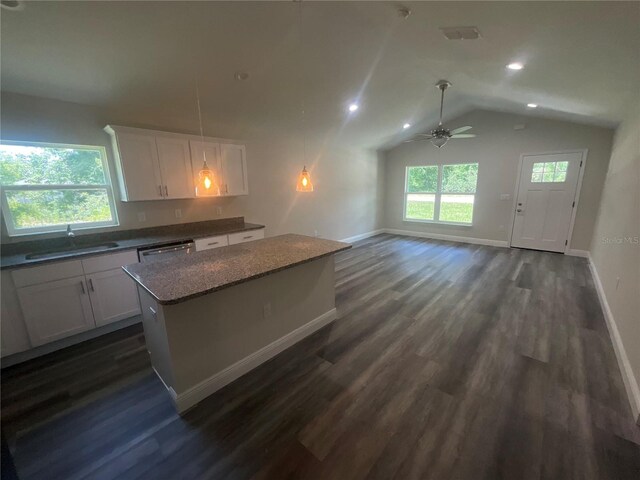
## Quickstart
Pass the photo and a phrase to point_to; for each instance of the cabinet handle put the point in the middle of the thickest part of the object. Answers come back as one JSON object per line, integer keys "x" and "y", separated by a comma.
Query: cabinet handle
{"x": 247, "y": 237}
{"x": 91, "y": 285}
{"x": 160, "y": 189}
{"x": 166, "y": 191}
{"x": 213, "y": 243}
{"x": 84, "y": 292}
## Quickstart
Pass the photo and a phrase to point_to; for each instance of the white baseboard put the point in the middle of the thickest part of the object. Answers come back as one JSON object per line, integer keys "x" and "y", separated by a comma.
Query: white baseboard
{"x": 630, "y": 382}
{"x": 362, "y": 236}
{"x": 202, "y": 390}
{"x": 451, "y": 238}
{"x": 572, "y": 252}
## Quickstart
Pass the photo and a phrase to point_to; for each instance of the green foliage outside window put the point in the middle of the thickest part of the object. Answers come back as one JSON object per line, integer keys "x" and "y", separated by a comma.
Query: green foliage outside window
{"x": 41, "y": 204}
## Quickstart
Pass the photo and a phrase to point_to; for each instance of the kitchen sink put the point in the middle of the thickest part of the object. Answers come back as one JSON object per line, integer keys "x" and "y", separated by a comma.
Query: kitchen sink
{"x": 61, "y": 252}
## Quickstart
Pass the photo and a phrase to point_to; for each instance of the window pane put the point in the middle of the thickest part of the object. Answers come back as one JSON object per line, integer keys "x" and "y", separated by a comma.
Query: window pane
{"x": 560, "y": 177}
{"x": 549, "y": 167}
{"x": 422, "y": 179}
{"x": 456, "y": 208}
{"x": 536, "y": 177}
{"x": 547, "y": 176}
{"x": 459, "y": 178}
{"x": 562, "y": 166}
{"x": 42, "y": 208}
{"x": 34, "y": 165}
{"x": 538, "y": 167}
{"x": 420, "y": 207}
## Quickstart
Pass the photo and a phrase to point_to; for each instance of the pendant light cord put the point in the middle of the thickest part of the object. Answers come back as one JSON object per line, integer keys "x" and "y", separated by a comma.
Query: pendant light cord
{"x": 302, "y": 105}
{"x": 204, "y": 152}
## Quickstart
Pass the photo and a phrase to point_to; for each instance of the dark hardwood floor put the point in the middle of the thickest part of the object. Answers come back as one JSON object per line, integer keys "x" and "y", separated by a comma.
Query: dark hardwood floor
{"x": 448, "y": 361}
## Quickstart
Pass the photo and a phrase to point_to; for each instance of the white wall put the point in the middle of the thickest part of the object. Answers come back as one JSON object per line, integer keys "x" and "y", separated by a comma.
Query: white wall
{"x": 346, "y": 179}
{"x": 497, "y": 149}
{"x": 615, "y": 248}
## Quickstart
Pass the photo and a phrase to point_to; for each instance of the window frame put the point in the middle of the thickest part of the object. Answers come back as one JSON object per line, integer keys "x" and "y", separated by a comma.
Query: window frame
{"x": 108, "y": 186}
{"x": 438, "y": 195}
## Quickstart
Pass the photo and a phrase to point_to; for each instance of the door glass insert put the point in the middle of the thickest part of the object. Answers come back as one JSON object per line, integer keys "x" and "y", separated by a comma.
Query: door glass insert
{"x": 549, "y": 172}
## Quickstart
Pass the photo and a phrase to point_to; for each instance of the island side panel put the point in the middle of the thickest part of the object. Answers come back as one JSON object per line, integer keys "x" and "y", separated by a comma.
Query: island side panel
{"x": 218, "y": 337}
{"x": 156, "y": 338}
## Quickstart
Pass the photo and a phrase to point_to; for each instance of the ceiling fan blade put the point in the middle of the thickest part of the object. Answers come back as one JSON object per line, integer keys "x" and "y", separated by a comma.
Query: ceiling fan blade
{"x": 411, "y": 140}
{"x": 427, "y": 135}
{"x": 463, "y": 135}
{"x": 460, "y": 129}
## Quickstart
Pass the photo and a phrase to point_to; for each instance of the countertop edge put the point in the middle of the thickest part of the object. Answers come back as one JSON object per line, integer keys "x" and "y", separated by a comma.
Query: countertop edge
{"x": 81, "y": 255}
{"x": 174, "y": 301}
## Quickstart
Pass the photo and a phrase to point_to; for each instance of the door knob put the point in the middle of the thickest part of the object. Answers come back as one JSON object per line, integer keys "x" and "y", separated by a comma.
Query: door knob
{"x": 519, "y": 210}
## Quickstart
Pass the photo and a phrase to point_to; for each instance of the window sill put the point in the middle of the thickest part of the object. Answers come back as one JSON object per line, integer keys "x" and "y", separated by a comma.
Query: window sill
{"x": 437, "y": 222}
{"x": 74, "y": 228}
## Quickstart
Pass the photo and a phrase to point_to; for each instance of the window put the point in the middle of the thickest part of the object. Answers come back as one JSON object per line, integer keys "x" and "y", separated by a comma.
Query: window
{"x": 47, "y": 186}
{"x": 549, "y": 172}
{"x": 443, "y": 193}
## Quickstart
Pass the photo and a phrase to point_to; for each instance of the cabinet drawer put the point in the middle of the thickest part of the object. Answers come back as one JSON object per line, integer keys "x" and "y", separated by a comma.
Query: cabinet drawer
{"x": 102, "y": 263}
{"x": 248, "y": 236}
{"x": 211, "y": 242}
{"x": 46, "y": 273}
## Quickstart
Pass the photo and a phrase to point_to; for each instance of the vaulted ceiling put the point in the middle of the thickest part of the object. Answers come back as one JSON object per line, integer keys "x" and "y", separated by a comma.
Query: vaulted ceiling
{"x": 582, "y": 60}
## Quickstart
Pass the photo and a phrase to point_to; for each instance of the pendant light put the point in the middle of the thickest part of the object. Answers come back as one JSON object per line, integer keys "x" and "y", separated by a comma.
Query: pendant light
{"x": 304, "y": 179}
{"x": 206, "y": 184}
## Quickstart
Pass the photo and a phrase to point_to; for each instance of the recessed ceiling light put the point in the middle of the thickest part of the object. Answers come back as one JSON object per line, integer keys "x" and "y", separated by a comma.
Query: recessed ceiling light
{"x": 353, "y": 107}
{"x": 532, "y": 105}
{"x": 515, "y": 66}
{"x": 406, "y": 125}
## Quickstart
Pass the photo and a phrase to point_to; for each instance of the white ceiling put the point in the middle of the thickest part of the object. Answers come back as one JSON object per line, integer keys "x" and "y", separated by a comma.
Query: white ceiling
{"x": 582, "y": 60}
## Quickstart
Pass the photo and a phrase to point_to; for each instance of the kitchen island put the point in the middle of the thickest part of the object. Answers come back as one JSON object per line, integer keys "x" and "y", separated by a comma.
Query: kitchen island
{"x": 212, "y": 316}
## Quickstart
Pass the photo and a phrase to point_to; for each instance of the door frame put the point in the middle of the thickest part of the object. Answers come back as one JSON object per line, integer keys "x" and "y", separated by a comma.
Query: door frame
{"x": 576, "y": 198}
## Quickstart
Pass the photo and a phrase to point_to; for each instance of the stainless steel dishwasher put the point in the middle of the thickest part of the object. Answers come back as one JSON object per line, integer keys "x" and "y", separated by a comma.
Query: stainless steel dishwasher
{"x": 163, "y": 252}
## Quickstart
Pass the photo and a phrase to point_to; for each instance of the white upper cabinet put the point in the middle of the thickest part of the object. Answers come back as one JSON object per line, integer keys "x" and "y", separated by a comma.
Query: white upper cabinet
{"x": 175, "y": 167}
{"x": 233, "y": 162}
{"x": 153, "y": 165}
{"x": 137, "y": 166}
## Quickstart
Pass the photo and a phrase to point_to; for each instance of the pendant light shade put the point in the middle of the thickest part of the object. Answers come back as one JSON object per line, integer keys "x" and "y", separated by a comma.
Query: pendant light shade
{"x": 207, "y": 186}
{"x": 304, "y": 181}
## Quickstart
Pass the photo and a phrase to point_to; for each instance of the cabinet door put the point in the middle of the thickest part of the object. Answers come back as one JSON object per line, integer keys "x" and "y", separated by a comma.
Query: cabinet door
{"x": 138, "y": 157}
{"x": 55, "y": 310}
{"x": 175, "y": 167}
{"x": 114, "y": 296}
{"x": 234, "y": 169}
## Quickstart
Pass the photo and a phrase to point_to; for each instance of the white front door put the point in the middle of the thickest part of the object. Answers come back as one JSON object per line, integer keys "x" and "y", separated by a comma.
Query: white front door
{"x": 545, "y": 200}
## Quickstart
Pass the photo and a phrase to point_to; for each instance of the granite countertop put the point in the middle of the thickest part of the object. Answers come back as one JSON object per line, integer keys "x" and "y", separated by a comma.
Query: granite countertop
{"x": 188, "y": 276}
{"x": 15, "y": 255}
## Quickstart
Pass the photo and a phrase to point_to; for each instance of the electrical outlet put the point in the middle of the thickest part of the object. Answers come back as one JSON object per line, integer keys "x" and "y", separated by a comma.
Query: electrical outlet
{"x": 266, "y": 310}
{"x": 178, "y": 213}
{"x": 142, "y": 217}
{"x": 219, "y": 210}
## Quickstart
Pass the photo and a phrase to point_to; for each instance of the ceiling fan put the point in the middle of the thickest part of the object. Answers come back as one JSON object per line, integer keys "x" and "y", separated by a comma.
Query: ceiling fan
{"x": 439, "y": 136}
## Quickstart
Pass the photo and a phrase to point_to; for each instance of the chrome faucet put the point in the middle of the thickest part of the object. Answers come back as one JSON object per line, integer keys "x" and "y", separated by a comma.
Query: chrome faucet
{"x": 70, "y": 233}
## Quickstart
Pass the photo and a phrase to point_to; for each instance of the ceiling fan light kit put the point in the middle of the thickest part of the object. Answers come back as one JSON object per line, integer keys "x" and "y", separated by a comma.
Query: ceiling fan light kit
{"x": 440, "y": 136}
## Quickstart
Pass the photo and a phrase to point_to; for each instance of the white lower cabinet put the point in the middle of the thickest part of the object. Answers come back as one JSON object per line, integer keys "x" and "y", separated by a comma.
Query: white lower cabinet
{"x": 113, "y": 296}
{"x": 248, "y": 236}
{"x": 65, "y": 298}
{"x": 56, "y": 309}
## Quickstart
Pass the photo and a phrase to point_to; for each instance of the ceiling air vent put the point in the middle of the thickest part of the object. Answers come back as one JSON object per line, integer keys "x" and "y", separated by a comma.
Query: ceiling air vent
{"x": 461, "y": 33}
